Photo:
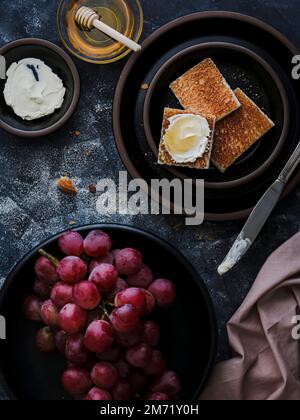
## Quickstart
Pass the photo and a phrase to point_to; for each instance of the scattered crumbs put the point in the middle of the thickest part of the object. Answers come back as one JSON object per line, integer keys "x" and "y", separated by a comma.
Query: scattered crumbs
{"x": 177, "y": 227}
{"x": 88, "y": 153}
{"x": 66, "y": 185}
{"x": 72, "y": 223}
{"x": 75, "y": 133}
{"x": 199, "y": 236}
{"x": 92, "y": 189}
{"x": 145, "y": 86}
{"x": 203, "y": 236}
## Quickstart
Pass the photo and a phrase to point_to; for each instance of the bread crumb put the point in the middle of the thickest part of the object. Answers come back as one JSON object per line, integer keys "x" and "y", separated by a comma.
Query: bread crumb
{"x": 75, "y": 133}
{"x": 177, "y": 227}
{"x": 145, "y": 86}
{"x": 92, "y": 188}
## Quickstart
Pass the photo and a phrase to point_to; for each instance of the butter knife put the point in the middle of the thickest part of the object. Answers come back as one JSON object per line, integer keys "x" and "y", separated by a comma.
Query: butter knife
{"x": 2, "y": 67}
{"x": 259, "y": 215}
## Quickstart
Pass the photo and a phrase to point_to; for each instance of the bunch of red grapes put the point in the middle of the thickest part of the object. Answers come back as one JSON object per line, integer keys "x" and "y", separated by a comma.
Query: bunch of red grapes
{"x": 96, "y": 304}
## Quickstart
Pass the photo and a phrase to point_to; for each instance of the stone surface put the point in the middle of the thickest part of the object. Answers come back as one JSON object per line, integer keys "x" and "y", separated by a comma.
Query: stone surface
{"x": 31, "y": 207}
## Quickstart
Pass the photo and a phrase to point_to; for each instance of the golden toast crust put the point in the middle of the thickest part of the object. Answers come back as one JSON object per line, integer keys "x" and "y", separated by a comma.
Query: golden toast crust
{"x": 235, "y": 134}
{"x": 204, "y": 89}
{"x": 164, "y": 157}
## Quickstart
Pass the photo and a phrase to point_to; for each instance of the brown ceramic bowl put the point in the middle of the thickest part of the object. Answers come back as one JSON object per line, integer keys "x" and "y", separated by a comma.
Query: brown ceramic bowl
{"x": 242, "y": 68}
{"x": 191, "y": 30}
{"x": 62, "y": 65}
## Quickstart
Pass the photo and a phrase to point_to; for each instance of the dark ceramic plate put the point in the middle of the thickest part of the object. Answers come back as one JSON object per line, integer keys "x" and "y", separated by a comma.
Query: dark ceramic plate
{"x": 62, "y": 65}
{"x": 188, "y": 329}
{"x": 189, "y": 31}
{"x": 244, "y": 69}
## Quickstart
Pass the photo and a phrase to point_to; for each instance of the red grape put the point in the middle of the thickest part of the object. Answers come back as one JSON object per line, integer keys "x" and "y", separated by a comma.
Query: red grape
{"x": 94, "y": 315}
{"x": 32, "y": 308}
{"x": 124, "y": 319}
{"x": 157, "y": 365}
{"x": 132, "y": 338}
{"x": 158, "y": 396}
{"x": 72, "y": 318}
{"x": 150, "y": 302}
{"x": 107, "y": 259}
{"x": 122, "y": 391}
{"x": 77, "y": 382}
{"x": 97, "y": 394}
{"x": 62, "y": 294}
{"x": 71, "y": 243}
{"x": 105, "y": 277}
{"x": 128, "y": 262}
{"x": 45, "y": 340}
{"x": 46, "y": 271}
{"x": 123, "y": 368}
{"x": 99, "y": 336}
{"x": 120, "y": 285}
{"x": 97, "y": 244}
{"x": 104, "y": 375}
{"x": 139, "y": 356}
{"x": 72, "y": 269}
{"x": 141, "y": 279}
{"x": 114, "y": 254}
{"x": 138, "y": 381}
{"x": 76, "y": 352}
{"x": 42, "y": 289}
{"x": 50, "y": 314}
{"x": 168, "y": 383}
{"x": 61, "y": 341}
{"x": 86, "y": 295}
{"x": 111, "y": 354}
{"x": 164, "y": 292}
{"x": 151, "y": 333}
{"x": 132, "y": 296}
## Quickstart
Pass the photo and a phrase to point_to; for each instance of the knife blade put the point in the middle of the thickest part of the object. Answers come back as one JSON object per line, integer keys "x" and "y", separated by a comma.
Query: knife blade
{"x": 2, "y": 67}
{"x": 259, "y": 216}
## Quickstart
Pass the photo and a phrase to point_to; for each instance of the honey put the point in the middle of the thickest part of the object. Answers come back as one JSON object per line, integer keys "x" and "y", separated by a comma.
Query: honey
{"x": 94, "y": 43}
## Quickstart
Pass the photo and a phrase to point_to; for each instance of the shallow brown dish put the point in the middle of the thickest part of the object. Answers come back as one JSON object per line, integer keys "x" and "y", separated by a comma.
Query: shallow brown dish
{"x": 225, "y": 203}
{"x": 272, "y": 97}
{"x": 62, "y": 65}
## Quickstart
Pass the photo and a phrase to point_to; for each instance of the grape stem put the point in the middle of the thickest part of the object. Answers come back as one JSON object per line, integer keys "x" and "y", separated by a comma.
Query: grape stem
{"x": 54, "y": 261}
{"x": 104, "y": 308}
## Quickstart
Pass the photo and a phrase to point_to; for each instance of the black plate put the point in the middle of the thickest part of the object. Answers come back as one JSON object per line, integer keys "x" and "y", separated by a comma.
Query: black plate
{"x": 188, "y": 329}
{"x": 244, "y": 69}
{"x": 271, "y": 45}
{"x": 62, "y": 65}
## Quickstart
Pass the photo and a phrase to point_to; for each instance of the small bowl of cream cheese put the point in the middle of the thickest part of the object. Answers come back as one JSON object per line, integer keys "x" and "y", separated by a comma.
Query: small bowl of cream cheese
{"x": 41, "y": 88}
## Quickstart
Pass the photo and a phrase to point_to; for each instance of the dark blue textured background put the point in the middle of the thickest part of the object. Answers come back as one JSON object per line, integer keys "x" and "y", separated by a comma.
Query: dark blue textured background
{"x": 31, "y": 208}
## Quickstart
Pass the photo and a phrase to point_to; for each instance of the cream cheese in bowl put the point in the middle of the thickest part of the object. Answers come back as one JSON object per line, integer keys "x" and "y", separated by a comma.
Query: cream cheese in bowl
{"x": 33, "y": 90}
{"x": 187, "y": 137}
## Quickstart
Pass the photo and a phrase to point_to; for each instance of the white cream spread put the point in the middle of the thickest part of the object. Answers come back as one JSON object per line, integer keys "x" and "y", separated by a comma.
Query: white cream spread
{"x": 186, "y": 138}
{"x": 239, "y": 249}
{"x": 33, "y": 90}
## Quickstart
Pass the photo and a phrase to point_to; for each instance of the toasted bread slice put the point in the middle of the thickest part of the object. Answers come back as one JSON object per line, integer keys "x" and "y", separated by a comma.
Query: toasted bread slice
{"x": 164, "y": 157}
{"x": 204, "y": 89}
{"x": 235, "y": 134}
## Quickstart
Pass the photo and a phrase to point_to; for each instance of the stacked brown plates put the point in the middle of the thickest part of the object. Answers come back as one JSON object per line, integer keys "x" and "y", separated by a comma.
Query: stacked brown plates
{"x": 243, "y": 48}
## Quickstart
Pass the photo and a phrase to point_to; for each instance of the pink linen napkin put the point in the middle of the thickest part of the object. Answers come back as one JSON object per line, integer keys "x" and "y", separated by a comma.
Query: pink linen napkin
{"x": 266, "y": 357}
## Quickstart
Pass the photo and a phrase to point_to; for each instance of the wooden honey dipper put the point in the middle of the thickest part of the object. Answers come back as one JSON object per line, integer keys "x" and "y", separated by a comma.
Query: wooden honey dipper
{"x": 88, "y": 19}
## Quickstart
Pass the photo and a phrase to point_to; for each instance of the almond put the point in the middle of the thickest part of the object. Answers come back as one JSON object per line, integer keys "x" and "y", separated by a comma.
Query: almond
{"x": 66, "y": 185}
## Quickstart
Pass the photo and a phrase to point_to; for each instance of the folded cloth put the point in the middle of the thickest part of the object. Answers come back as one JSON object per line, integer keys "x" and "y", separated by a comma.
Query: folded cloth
{"x": 266, "y": 357}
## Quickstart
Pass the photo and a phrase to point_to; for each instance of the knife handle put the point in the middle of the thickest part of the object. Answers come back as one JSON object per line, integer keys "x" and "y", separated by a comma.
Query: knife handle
{"x": 289, "y": 168}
